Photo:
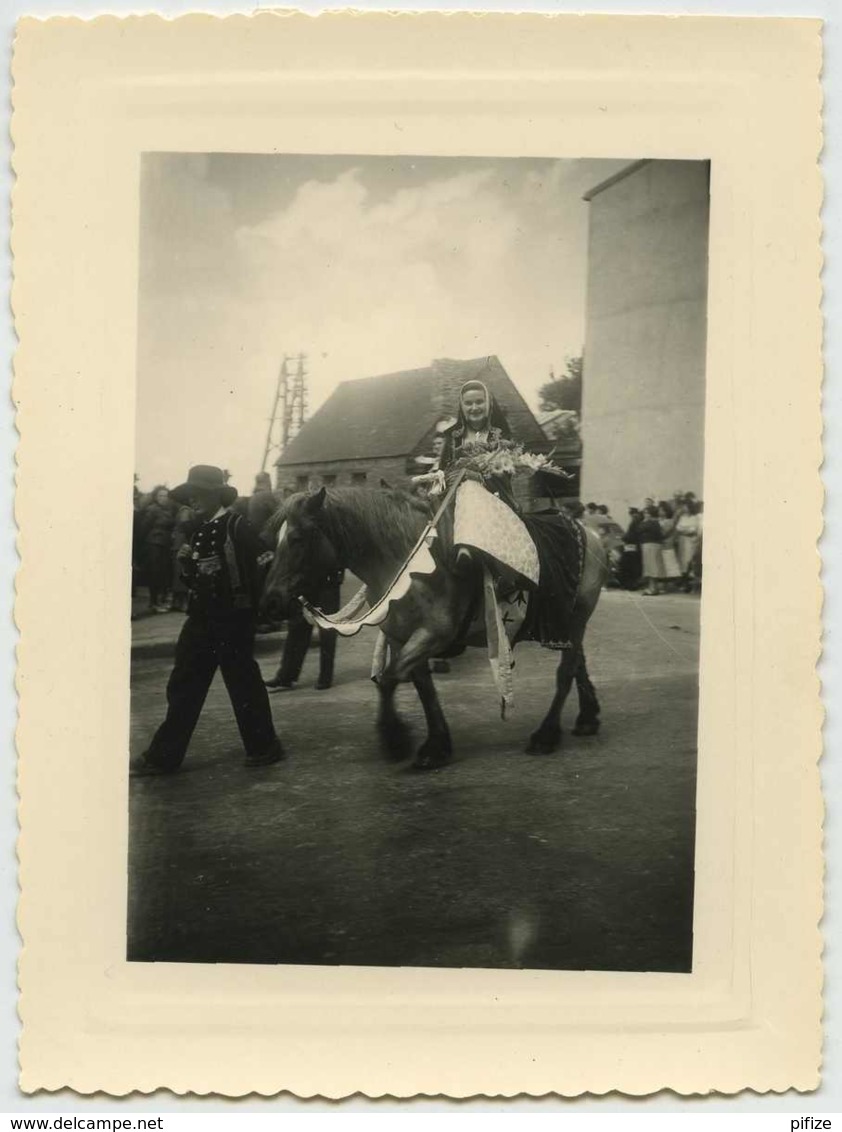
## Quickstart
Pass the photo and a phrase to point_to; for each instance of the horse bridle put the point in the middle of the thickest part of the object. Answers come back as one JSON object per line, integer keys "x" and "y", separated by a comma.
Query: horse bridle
{"x": 299, "y": 581}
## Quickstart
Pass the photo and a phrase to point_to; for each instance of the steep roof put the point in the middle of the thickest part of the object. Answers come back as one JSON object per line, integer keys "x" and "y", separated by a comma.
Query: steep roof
{"x": 391, "y": 414}
{"x": 373, "y": 416}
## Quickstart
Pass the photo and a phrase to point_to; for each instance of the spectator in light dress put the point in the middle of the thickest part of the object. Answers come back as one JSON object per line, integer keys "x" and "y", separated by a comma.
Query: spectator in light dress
{"x": 669, "y": 559}
{"x": 651, "y": 536}
{"x": 688, "y": 533}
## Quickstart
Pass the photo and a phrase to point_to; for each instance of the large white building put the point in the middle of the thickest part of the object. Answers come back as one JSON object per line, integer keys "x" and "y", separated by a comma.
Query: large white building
{"x": 644, "y": 370}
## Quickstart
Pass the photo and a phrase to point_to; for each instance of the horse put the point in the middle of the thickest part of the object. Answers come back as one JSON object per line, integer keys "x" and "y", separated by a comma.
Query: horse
{"x": 370, "y": 532}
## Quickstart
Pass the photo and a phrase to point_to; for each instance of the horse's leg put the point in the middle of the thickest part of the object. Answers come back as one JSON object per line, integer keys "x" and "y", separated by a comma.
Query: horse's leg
{"x": 437, "y": 748}
{"x": 594, "y": 575}
{"x": 412, "y": 663}
{"x": 548, "y": 736}
{"x": 422, "y": 644}
{"x": 395, "y": 735}
{"x": 587, "y": 721}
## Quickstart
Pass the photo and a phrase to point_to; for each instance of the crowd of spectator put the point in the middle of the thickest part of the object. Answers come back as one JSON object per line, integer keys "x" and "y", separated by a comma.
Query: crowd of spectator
{"x": 659, "y": 550}
{"x": 161, "y": 527}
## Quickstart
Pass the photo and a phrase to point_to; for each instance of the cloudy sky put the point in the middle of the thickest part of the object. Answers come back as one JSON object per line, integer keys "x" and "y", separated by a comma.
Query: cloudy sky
{"x": 368, "y": 265}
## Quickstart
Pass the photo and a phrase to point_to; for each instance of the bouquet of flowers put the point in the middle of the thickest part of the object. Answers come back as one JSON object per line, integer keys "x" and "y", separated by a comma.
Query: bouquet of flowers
{"x": 506, "y": 459}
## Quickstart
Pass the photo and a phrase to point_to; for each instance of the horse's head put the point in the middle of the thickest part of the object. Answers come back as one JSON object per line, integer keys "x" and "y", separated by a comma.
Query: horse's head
{"x": 304, "y": 556}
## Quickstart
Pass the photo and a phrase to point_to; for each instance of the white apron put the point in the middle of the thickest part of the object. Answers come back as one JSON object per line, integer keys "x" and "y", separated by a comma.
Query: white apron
{"x": 483, "y": 521}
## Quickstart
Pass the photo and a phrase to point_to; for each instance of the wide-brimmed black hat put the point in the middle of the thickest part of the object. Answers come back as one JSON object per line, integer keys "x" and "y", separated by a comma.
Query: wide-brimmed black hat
{"x": 210, "y": 479}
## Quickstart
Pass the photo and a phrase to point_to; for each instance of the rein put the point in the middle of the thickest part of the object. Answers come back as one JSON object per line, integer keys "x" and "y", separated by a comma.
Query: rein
{"x": 419, "y": 561}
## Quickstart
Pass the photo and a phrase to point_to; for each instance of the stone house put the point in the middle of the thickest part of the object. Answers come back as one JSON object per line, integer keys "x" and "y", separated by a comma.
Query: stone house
{"x": 375, "y": 428}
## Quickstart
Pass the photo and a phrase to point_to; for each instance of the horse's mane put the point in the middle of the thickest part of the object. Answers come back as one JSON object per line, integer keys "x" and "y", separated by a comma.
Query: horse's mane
{"x": 269, "y": 531}
{"x": 355, "y": 517}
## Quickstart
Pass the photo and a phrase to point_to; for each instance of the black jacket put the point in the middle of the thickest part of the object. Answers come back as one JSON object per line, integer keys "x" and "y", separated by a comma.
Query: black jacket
{"x": 221, "y": 572}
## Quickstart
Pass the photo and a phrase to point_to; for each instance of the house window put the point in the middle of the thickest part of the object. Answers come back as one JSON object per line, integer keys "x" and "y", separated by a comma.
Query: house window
{"x": 359, "y": 478}
{"x": 329, "y": 480}
{"x": 301, "y": 483}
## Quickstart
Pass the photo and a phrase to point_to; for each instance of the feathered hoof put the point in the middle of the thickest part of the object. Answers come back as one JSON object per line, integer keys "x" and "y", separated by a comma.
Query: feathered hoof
{"x": 543, "y": 744}
{"x": 395, "y": 742}
{"x": 586, "y": 727}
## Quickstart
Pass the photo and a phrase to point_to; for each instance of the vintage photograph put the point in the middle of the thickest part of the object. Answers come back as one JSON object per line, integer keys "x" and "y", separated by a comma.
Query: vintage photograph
{"x": 417, "y": 561}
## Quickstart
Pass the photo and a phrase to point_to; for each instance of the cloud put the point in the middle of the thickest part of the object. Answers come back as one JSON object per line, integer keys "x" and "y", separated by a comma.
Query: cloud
{"x": 387, "y": 283}
{"x": 335, "y": 249}
{"x": 365, "y": 274}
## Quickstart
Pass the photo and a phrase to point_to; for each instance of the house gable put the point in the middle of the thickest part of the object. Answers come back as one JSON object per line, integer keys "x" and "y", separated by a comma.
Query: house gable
{"x": 395, "y": 415}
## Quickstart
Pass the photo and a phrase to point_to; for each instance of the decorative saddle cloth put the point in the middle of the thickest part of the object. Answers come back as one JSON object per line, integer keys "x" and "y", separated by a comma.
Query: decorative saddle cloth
{"x": 560, "y": 541}
{"x": 541, "y": 613}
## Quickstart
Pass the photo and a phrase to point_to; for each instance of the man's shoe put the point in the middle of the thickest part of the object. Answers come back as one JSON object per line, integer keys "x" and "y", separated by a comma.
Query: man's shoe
{"x": 273, "y": 755}
{"x": 323, "y": 685}
{"x": 142, "y": 768}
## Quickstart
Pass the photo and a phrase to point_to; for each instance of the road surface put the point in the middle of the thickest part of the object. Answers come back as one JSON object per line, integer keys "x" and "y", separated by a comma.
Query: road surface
{"x": 578, "y": 860}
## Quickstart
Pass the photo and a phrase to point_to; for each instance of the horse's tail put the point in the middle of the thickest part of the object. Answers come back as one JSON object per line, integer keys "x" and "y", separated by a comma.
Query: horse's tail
{"x": 595, "y": 569}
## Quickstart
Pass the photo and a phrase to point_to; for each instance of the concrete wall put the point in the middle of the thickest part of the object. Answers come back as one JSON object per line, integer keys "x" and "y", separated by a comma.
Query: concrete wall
{"x": 644, "y": 373}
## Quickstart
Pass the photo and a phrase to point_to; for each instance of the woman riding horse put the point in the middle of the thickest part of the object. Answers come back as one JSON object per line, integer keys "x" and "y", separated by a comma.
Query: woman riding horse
{"x": 371, "y": 533}
{"x": 524, "y": 551}
{"x": 485, "y": 519}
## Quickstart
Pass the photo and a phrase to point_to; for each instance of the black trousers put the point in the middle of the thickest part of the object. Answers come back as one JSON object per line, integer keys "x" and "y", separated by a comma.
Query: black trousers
{"x": 299, "y": 636}
{"x": 629, "y": 574}
{"x": 205, "y": 644}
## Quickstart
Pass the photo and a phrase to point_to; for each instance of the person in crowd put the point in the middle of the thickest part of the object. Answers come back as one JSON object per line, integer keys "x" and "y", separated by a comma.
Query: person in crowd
{"x": 262, "y": 503}
{"x": 429, "y": 482}
{"x": 259, "y": 508}
{"x": 669, "y": 559}
{"x": 688, "y": 538}
{"x": 158, "y": 524}
{"x": 591, "y": 516}
{"x": 299, "y": 636}
{"x": 606, "y": 525}
{"x": 630, "y": 565}
{"x": 651, "y": 536}
{"x": 605, "y": 519}
{"x": 697, "y": 563}
{"x": 221, "y": 571}
{"x": 613, "y": 540}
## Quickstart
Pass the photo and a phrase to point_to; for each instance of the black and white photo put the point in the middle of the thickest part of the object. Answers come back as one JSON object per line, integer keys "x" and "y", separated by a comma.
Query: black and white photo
{"x": 395, "y": 417}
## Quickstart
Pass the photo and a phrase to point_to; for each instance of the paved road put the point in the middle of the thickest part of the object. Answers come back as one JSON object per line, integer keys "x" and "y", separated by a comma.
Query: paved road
{"x": 582, "y": 859}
